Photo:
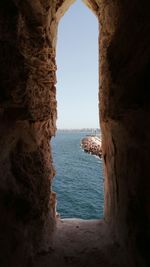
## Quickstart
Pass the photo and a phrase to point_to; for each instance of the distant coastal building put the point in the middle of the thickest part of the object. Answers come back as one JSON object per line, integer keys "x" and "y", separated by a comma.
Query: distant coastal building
{"x": 94, "y": 131}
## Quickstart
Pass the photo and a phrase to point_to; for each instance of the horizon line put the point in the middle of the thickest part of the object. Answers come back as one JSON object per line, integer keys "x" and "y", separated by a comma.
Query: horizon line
{"x": 84, "y": 128}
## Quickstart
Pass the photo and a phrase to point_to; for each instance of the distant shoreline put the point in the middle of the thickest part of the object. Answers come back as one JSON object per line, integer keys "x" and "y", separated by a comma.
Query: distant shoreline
{"x": 92, "y": 130}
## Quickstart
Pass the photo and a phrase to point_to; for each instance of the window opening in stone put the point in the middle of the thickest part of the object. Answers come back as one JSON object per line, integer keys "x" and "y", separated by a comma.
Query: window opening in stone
{"x": 79, "y": 175}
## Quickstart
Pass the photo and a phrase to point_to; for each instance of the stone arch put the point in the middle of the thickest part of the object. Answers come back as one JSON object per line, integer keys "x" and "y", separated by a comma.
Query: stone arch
{"x": 27, "y": 122}
{"x": 64, "y": 5}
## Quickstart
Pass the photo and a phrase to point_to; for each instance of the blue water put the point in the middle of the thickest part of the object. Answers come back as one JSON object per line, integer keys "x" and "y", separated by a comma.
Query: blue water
{"x": 79, "y": 178}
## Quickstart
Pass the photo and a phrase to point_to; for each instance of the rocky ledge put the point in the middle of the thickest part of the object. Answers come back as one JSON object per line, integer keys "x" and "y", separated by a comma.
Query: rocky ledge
{"x": 92, "y": 144}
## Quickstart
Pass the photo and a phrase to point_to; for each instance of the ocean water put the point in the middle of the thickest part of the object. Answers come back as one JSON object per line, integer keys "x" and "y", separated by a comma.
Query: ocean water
{"x": 79, "y": 178}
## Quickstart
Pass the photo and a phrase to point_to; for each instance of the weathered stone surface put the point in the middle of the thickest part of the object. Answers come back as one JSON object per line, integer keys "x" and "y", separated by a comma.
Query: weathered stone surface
{"x": 83, "y": 243}
{"x": 27, "y": 123}
{"x": 28, "y": 34}
{"x": 124, "y": 95}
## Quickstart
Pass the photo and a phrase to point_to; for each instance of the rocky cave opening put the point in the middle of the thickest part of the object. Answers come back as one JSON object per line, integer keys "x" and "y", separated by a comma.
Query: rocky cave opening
{"x": 30, "y": 234}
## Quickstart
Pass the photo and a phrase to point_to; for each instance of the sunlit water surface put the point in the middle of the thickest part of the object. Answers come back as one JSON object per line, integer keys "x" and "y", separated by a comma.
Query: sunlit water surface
{"x": 79, "y": 178}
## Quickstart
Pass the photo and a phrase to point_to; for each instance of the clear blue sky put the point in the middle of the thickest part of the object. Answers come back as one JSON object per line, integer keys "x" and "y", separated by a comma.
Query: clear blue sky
{"x": 77, "y": 68}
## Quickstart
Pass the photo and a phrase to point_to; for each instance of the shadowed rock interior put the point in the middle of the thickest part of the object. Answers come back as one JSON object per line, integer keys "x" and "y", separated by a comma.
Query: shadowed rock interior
{"x": 30, "y": 233}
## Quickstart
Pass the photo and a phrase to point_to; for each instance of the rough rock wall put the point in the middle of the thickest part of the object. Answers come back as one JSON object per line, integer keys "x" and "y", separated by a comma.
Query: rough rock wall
{"x": 125, "y": 121}
{"x": 27, "y": 123}
{"x": 28, "y": 115}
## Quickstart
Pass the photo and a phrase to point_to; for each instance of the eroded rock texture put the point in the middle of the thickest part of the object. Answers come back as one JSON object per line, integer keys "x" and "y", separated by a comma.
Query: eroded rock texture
{"x": 28, "y": 117}
{"x": 28, "y": 33}
{"x": 125, "y": 121}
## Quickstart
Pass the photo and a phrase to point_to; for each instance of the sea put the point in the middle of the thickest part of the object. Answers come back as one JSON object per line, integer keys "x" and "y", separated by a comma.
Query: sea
{"x": 79, "y": 180}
